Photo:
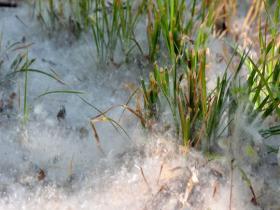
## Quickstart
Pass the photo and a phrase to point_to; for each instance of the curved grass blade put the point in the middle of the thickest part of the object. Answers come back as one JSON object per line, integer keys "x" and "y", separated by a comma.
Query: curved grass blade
{"x": 60, "y": 91}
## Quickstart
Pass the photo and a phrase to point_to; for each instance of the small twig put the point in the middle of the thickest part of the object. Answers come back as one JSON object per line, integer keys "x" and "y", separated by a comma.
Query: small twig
{"x": 145, "y": 180}
{"x": 23, "y": 46}
{"x": 161, "y": 167}
{"x": 231, "y": 183}
{"x": 190, "y": 185}
{"x": 21, "y": 21}
{"x": 216, "y": 186}
{"x": 248, "y": 182}
{"x": 70, "y": 169}
{"x": 254, "y": 198}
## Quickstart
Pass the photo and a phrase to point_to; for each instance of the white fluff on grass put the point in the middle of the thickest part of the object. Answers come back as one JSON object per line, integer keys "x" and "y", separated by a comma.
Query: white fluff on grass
{"x": 156, "y": 175}
{"x": 77, "y": 174}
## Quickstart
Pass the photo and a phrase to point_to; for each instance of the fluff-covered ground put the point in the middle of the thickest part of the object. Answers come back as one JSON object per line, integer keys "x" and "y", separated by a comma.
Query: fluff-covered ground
{"x": 56, "y": 164}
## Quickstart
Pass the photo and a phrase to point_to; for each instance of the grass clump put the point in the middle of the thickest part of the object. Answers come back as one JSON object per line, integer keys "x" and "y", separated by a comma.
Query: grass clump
{"x": 263, "y": 82}
{"x": 177, "y": 24}
{"x": 196, "y": 113}
{"x": 113, "y": 26}
{"x": 109, "y": 24}
{"x": 59, "y": 15}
